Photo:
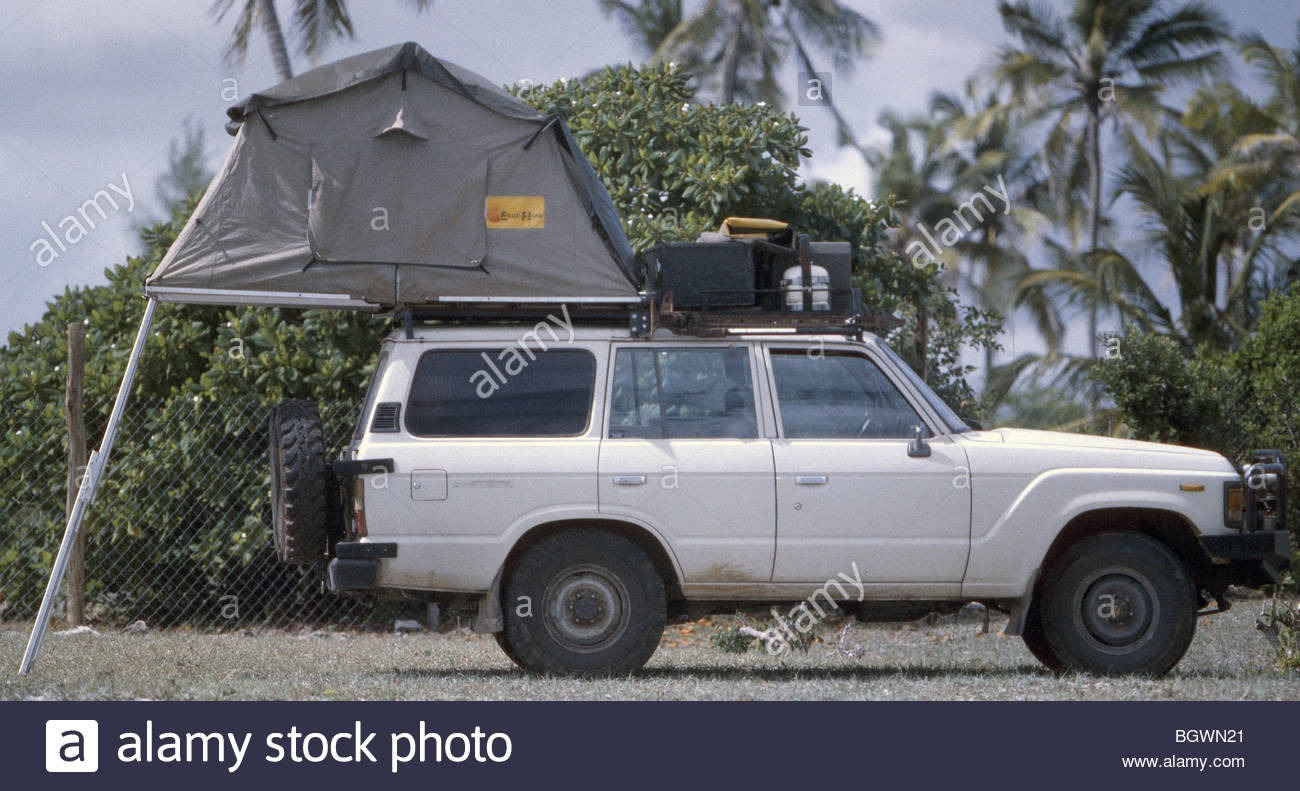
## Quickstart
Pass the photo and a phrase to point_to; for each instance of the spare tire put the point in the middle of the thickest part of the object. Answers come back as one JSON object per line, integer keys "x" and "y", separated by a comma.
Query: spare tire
{"x": 300, "y": 483}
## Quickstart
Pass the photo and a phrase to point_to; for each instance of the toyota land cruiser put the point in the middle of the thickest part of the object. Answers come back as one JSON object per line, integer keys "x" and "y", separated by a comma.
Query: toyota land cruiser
{"x": 575, "y": 488}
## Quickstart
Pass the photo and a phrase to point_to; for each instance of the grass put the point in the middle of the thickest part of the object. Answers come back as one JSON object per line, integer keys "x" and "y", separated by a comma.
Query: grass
{"x": 944, "y": 660}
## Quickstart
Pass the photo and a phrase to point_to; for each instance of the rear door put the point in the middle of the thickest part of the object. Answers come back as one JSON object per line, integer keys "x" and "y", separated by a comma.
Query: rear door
{"x": 683, "y": 454}
{"x": 482, "y": 445}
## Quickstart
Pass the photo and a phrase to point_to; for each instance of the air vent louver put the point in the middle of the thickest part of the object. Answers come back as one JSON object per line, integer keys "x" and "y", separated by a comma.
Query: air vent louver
{"x": 386, "y": 415}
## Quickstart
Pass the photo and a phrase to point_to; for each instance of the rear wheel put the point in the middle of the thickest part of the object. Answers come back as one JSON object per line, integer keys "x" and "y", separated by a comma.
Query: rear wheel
{"x": 584, "y": 603}
{"x": 1119, "y": 603}
{"x": 300, "y": 483}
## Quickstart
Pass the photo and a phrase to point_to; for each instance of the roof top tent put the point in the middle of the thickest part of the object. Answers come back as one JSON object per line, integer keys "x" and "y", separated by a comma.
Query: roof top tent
{"x": 393, "y": 179}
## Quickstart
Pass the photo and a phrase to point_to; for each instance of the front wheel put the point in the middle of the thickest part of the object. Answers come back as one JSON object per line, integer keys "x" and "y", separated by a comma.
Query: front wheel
{"x": 583, "y": 603}
{"x": 1118, "y": 603}
{"x": 1036, "y": 640}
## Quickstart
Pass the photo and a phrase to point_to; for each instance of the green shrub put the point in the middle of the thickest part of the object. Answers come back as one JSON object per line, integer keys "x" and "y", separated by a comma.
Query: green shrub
{"x": 1231, "y": 402}
{"x": 1282, "y": 627}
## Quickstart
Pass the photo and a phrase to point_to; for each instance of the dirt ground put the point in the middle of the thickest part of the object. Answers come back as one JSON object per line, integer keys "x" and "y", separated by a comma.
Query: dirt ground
{"x": 947, "y": 659}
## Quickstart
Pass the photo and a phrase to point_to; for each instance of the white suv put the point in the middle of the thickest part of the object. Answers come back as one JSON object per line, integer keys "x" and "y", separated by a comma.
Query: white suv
{"x": 576, "y": 487}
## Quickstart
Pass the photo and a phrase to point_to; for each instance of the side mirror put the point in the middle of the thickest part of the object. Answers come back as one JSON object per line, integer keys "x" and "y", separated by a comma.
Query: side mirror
{"x": 918, "y": 448}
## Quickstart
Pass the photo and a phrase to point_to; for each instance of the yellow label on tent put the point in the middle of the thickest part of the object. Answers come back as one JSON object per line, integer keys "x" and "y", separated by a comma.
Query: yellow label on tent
{"x": 516, "y": 211}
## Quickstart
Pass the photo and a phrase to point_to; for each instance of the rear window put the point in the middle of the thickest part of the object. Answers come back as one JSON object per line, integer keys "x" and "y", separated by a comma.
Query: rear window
{"x": 501, "y": 393}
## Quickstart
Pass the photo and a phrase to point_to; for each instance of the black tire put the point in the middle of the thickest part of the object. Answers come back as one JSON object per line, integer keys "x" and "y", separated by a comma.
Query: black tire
{"x": 1036, "y": 640}
{"x": 507, "y": 649}
{"x": 583, "y": 603}
{"x": 1119, "y": 603}
{"x": 300, "y": 483}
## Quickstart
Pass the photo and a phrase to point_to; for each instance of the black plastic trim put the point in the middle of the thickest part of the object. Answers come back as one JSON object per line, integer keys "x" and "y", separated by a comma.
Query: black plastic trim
{"x": 387, "y": 419}
{"x": 353, "y": 574}
{"x": 351, "y": 469}
{"x": 364, "y": 550}
{"x": 1260, "y": 545}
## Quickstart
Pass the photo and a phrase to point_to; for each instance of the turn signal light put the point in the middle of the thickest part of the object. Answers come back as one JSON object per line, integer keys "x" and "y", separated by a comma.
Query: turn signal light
{"x": 1233, "y": 504}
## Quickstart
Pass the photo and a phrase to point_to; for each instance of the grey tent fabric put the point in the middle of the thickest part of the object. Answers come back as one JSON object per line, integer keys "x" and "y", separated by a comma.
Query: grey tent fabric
{"x": 395, "y": 179}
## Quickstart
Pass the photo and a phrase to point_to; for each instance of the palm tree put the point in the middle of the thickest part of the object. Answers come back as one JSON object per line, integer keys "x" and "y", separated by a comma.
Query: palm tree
{"x": 317, "y": 24}
{"x": 984, "y": 139}
{"x": 1106, "y": 61}
{"x": 1197, "y": 236}
{"x": 648, "y": 22}
{"x": 1264, "y": 156}
{"x": 736, "y": 47}
{"x": 914, "y": 185}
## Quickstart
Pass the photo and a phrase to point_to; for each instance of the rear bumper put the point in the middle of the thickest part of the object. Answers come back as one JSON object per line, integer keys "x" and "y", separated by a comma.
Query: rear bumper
{"x": 1252, "y": 559}
{"x": 356, "y": 565}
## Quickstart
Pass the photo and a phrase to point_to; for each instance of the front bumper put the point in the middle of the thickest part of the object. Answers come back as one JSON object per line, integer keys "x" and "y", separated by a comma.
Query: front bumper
{"x": 1251, "y": 559}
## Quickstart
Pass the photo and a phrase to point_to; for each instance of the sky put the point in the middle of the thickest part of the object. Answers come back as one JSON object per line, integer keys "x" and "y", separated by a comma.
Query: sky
{"x": 93, "y": 92}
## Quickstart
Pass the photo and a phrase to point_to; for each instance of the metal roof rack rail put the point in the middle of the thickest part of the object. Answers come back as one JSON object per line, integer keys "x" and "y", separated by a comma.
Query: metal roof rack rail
{"x": 655, "y": 311}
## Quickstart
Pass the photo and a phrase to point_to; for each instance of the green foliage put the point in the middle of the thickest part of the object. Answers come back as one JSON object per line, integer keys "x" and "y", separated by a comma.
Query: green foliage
{"x": 202, "y": 539}
{"x": 1166, "y": 396}
{"x": 1282, "y": 628}
{"x": 1230, "y": 402}
{"x": 676, "y": 167}
{"x": 728, "y": 639}
{"x": 953, "y": 329}
{"x": 735, "y": 634}
{"x": 1041, "y": 407}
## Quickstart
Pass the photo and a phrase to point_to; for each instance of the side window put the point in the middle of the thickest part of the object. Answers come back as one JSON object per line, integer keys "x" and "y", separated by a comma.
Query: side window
{"x": 474, "y": 394}
{"x": 683, "y": 393}
{"x": 836, "y": 395}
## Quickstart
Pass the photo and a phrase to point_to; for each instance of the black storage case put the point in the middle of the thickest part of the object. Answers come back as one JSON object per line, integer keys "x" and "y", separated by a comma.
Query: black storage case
{"x": 704, "y": 274}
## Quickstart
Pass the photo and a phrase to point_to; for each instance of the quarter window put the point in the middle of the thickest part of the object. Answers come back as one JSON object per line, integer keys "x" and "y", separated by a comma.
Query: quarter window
{"x": 830, "y": 395}
{"x": 683, "y": 393}
{"x": 501, "y": 393}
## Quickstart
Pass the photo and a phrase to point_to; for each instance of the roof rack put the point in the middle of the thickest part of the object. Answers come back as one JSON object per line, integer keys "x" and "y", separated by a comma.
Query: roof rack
{"x": 726, "y": 289}
{"x": 657, "y": 311}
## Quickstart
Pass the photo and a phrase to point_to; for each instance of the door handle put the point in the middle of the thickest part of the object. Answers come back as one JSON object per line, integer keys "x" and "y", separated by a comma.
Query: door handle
{"x": 629, "y": 480}
{"x": 810, "y": 480}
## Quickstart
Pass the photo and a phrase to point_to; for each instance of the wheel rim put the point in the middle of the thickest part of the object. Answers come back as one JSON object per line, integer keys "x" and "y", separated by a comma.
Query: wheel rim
{"x": 1116, "y": 610}
{"x": 586, "y": 609}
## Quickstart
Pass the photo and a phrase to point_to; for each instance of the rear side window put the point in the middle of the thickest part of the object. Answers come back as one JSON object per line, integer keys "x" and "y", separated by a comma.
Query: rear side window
{"x": 479, "y": 393}
{"x": 683, "y": 393}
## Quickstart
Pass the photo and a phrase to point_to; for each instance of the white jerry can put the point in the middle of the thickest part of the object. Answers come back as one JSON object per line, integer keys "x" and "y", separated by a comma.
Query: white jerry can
{"x": 792, "y": 283}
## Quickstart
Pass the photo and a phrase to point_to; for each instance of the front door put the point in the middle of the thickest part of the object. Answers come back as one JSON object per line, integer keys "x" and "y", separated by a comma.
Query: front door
{"x": 847, "y": 490}
{"x": 683, "y": 455}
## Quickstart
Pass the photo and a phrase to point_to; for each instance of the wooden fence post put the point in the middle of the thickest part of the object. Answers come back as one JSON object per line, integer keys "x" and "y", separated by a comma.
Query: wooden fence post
{"x": 73, "y": 402}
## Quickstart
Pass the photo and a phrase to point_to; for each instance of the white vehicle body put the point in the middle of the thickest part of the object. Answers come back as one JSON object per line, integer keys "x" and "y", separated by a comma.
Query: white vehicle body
{"x": 572, "y": 488}
{"x": 764, "y": 518}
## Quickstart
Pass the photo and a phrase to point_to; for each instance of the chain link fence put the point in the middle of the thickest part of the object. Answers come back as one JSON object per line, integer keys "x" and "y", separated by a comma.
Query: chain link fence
{"x": 180, "y": 534}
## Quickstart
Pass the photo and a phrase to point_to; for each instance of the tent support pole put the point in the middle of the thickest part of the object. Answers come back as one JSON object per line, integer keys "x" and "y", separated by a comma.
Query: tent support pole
{"x": 86, "y": 492}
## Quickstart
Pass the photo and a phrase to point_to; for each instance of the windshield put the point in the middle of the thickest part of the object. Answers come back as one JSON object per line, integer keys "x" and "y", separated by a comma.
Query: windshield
{"x": 946, "y": 413}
